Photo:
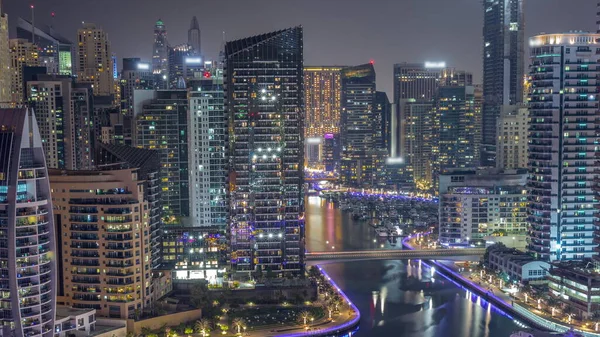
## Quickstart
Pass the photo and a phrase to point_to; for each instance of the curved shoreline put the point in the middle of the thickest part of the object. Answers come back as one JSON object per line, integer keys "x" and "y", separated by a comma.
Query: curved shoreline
{"x": 346, "y": 326}
{"x": 516, "y": 310}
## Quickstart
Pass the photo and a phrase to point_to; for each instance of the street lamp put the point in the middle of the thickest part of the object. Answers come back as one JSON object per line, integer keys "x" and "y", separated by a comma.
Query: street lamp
{"x": 539, "y": 304}
{"x": 553, "y": 316}
{"x": 525, "y": 297}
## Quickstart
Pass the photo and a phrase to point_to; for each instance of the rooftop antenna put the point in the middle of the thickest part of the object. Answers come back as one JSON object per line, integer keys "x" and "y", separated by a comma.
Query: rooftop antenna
{"x": 52, "y": 20}
{"x": 32, "y": 24}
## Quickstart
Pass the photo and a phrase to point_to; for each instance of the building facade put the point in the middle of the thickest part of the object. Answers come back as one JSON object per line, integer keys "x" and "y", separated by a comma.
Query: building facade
{"x": 323, "y": 94}
{"x": 95, "y": 64}
{"x": 419, "y": 137}
{"x": 22, "y": 54}
{"x": 194, "y": 37}
{"x": 511, "y": 147}
{"x": 516, "y": 265}
{"x": 562, "y": 140}
{"x": 54, "y": 51}
{"x": 28, "y": 278}
{"x": 503, "y": 66}
{"x": 105, "y": 255}
{"x": 477, "y": 203}
{"x": 5, "y": 94}
{"x": 64, "y": 110}
{"x": 360, "y": 128}
{"x": 265, "y": 111}
{"x": 207, "y": 155}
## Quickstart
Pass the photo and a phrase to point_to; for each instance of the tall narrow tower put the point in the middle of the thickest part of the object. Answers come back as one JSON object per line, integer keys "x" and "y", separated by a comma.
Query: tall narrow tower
{"x": 265, "y": 109}
{"x": 503, "y": 66}
{"x": 5, "y": 94}
{"x": 194, "y": 37}
{"x": 160, "y": 50}
{"x": 28, "y": 278}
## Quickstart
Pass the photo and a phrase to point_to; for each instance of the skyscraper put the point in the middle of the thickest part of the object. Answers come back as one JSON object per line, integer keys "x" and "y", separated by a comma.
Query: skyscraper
{"x": 65, "y": 114}
{"x": 419, "y": 129}
{"x": 55, "y": 51}
{"x": 359, "y": 125}
{"x": 95, "y": 65}
{"x": 456, "y": 118}
{"x": 383, "y": 115}
{"x": 134, "y": 75}
{"x": 160, "y": 61}
{"x": 22, "y": 54}
{"x": 563, "y": 105}
{"x": 323, "y": 94}
{"x": 503, "y": 66}
{"x": 161, "y": 124}
{"x": 265, "y": 111}
{"x": 28, "y": 278}
{"x": 417, "y": 80}
{"x": 5, "y": 94}
{"x": 194, "y": 37}
{"x": 180, "y": 59}
{"x": 207, "y": 156}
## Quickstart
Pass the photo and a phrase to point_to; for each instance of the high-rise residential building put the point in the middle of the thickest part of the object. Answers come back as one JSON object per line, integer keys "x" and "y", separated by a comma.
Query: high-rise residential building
{"x": 417, "y": 80}
{"x": 5, "y": 94}
{"x": 55, "y": 51}
{"x": 360, "y": 128}
{"x": 563, "y": 105}
{"x": 456, "y": 119}
{"x": 478, "y": 100}
{"x": 95, "y": 65}
{"x": 419, "y": 138}
{"x": 331, "y": 152}
{"x": 323, "y": 94}
{"x": 105, "y": 253}
{"x": 503, "y": 66}
{"x": 184, "y": 66}
{"x": 265, "y": 111}
{"x": 207, "y": 154}
{"x": 511, "y": 147}
{"x": 22, "y": 54}
{"x": 477, "y": 203}
{"x": 383, "y": 115}
{"x": 160, "y": 59}
{"x": 64, "y": 110}
{"x": 161, "y": 124}
{"x": 134, "y": 75}
{"x": 194, "y": 37}
{"x": 28, "y": 280}
{"x": 120, "y": 157}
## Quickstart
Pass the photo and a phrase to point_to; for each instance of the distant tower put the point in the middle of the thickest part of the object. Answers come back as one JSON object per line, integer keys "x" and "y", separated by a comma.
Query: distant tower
{"x": 160, "y": 52}
{"x": 5, "y": 94}
{"x": 95, "y": 62}
{"x": 194, "y": 36}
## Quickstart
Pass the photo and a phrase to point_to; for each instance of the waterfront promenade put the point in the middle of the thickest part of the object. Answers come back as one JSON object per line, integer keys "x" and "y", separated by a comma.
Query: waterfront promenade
{"x": 512, "y": 307}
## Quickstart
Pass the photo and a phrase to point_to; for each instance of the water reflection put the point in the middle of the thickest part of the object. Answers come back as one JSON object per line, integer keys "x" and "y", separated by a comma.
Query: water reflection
{"x": 398, "y": 298}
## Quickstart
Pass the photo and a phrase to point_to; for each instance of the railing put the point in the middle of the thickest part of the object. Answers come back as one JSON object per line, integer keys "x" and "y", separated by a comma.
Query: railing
{"x": 394, "y": 253}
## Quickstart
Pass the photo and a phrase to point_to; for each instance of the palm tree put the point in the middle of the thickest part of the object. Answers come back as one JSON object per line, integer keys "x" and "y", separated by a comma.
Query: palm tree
{"x": 239, "y": 323}
{"x": 203, "y": 327}
{"x": 304, "y": 315}
{"x": 329, "y": 308}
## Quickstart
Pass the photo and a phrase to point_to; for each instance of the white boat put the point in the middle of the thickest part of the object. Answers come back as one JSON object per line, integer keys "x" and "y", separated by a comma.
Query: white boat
{"x": 382, "y": 232}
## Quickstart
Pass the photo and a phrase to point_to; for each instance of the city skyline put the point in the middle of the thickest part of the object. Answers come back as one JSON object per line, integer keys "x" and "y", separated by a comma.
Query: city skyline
{"x": 357, "y": 39}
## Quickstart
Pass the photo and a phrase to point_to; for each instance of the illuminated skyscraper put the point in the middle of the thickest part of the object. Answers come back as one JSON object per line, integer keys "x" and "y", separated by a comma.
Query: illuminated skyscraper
{"x": 95, "y": 65}
{"x": 22, "y": 54}
{"x": 419, "y": 138}
{"x": 563, "y": 108}
{"x": 323, "y": 93}
{"x": 207, "y": 155}
{"x": 5, "y": 94}
{"x": 265, "y": 111}
{"x": 503, "y": 66}
{"x": 28, "y": 280}
{"x": 161, "y": 124}
{"x": 511, "y": 149}
{"x": 64, "y": 111}
{"x": 160, "y": 50}
{"x": 194, "y": 37}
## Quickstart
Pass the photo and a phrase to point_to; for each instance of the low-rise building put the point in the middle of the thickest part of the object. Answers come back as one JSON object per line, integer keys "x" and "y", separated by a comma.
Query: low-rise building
{"x": 477, "y": 203}
{"x": 519, "y": 266}
{"x": 577, "y": 284}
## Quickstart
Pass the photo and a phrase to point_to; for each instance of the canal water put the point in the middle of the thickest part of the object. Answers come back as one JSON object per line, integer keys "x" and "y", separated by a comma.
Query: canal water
{"x": 400, "y": 298}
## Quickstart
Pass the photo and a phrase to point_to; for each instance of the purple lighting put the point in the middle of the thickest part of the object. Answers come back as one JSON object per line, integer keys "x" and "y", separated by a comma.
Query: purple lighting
{"x": 329, "y": 136}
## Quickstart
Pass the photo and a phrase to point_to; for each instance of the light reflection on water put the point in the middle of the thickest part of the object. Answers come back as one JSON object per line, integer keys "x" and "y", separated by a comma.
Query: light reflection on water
{"x": 397, "y": 298}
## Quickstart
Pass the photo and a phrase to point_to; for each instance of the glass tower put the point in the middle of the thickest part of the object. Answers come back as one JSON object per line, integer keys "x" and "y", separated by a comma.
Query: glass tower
{"x": 503, "y": 66}
{"x": 265, "y": 111}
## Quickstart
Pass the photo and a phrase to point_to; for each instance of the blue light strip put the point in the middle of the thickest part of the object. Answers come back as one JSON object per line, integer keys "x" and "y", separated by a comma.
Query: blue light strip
{"x": 334, "y": 329}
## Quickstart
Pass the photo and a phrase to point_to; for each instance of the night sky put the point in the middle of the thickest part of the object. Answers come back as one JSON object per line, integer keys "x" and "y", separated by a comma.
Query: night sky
{"x": 340, "y": 32}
